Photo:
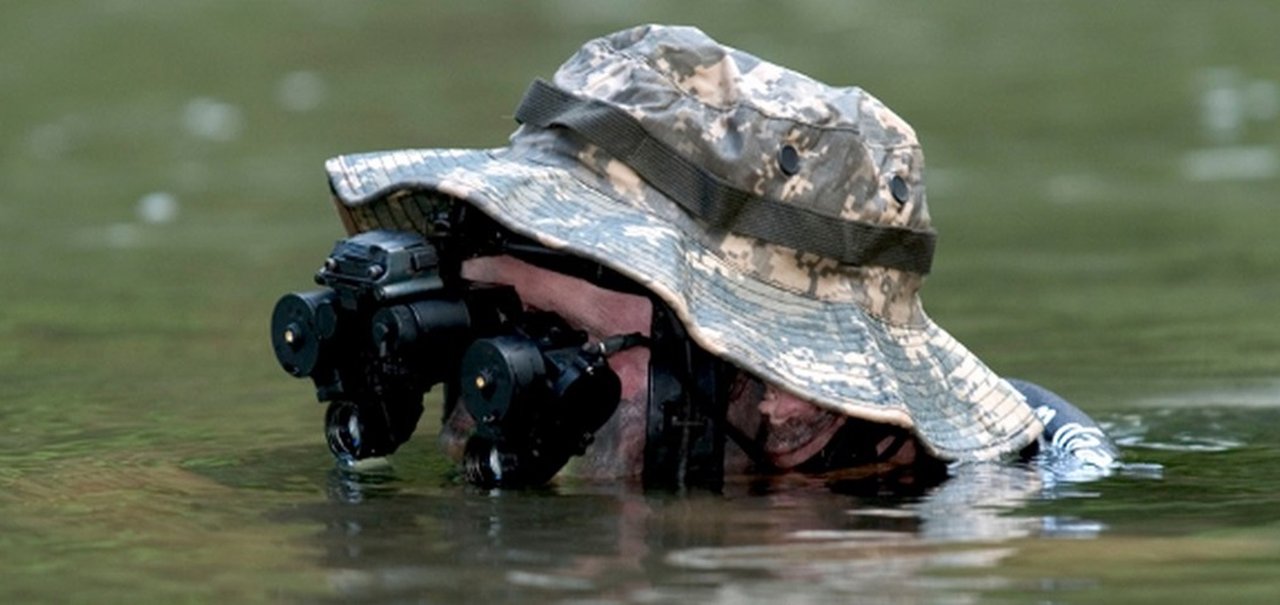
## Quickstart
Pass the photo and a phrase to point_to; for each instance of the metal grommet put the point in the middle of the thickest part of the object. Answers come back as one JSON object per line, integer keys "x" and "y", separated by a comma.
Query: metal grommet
{"x": 788, "y": 160}
{"x": 898, "y": 187}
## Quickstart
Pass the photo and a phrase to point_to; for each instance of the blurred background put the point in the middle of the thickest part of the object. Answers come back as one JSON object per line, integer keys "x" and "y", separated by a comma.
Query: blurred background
{"x": 1104, "y": 176}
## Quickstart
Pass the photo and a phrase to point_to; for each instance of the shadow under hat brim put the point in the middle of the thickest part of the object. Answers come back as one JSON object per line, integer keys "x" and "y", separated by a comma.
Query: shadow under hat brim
{"x": 834, "y": 354}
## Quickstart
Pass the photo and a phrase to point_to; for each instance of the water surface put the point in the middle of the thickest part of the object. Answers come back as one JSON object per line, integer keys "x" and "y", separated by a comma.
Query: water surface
{"x": 1102, "y": 175}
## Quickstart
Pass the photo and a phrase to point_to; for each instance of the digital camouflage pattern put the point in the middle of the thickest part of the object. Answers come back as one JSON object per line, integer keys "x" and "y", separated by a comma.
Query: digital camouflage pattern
{"x": 849, "y": 338}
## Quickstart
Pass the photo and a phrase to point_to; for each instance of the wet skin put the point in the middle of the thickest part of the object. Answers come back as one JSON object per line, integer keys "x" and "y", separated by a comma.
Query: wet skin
{"x": 783, "y": 429}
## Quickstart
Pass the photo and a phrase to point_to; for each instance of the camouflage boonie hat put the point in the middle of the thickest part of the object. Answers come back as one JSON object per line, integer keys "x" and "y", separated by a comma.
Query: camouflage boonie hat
{"x": 783, "y": 220}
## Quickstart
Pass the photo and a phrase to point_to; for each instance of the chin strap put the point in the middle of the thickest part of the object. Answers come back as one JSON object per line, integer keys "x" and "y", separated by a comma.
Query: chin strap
{"x": 688, "y": 392}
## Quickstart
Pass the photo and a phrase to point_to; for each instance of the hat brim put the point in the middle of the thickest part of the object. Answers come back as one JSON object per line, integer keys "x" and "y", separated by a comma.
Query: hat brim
{"x": 832, "y": 353}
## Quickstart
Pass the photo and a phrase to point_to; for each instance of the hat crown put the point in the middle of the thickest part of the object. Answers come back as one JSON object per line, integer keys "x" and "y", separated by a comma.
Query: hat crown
{"x": 759, "y": 127}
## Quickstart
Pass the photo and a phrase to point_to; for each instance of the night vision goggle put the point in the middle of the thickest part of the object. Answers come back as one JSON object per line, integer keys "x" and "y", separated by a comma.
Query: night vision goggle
{"x": 394, "y": 318}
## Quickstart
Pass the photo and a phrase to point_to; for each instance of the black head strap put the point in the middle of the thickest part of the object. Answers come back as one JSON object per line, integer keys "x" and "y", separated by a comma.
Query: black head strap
{"x": 709, "y": 198}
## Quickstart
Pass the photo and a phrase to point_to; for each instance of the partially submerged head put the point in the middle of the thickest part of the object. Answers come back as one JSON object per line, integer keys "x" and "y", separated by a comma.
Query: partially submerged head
{"x": 782, "y": 220}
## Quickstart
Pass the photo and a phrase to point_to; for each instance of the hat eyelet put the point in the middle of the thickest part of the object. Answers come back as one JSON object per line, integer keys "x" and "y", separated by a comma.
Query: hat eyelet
{"x": 899, "y": 189}
{"x": 788, "y": 160}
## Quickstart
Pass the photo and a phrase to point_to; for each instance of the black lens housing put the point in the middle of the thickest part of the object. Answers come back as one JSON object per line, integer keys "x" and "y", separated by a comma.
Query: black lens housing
{"x": 394, "y": 318}
{"x": 369, "y": 429}
{"x": 538, "y": 397}
{"x": 388, "y": 325}
{"x": 300, "y": 324}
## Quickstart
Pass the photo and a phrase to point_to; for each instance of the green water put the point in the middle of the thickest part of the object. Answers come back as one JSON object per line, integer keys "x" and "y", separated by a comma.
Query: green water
{"x": 1093, "y": 239}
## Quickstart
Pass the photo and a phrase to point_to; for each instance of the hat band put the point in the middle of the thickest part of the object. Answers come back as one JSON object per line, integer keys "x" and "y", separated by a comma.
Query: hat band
{"x": 707, "y": 197}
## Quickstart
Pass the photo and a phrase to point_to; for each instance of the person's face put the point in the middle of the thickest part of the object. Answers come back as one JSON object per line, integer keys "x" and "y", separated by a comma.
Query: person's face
{"x": 785, "y": 428}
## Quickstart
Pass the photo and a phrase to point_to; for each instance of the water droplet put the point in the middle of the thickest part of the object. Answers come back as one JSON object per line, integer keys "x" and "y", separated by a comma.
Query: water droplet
{"x": 301, "y": 91}
{"x": 212, "y": 119}
{"x": 1221, "y": 105}
{"x": 158, "y": 207}
{"x": 1230, "y": 163}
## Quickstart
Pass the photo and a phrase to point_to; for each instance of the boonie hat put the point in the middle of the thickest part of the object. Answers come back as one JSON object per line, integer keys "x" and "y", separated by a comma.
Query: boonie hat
{"x": 783, "y": 220}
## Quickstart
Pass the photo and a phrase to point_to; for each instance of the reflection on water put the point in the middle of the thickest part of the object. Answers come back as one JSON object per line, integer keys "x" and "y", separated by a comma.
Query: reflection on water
{"x": 759, "y": 541}
{"x": 989, "y": 530}
{"x": 408, "y": 531}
